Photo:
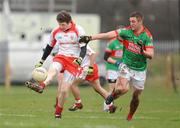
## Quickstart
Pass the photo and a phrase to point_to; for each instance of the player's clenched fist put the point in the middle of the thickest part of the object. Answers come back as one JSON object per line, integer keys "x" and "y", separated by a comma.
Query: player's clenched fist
{"x": 140, "y": 43}
{"x": 78, "y": 61}
{"x": 85, "y": 39}
{"x": 90, "y": 70}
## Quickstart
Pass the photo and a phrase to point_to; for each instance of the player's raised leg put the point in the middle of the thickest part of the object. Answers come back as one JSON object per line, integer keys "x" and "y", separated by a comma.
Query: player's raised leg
{"x": 39, "y": 87}
{"x": 32, "y": 84}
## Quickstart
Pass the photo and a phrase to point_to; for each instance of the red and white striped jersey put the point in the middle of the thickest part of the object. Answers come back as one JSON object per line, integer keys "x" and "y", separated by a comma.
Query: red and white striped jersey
{"x": 67, "y": 41}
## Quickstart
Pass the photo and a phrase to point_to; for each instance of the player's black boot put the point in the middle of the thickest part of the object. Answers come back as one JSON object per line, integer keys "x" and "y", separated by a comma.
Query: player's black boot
{"x": 109, "y": 99}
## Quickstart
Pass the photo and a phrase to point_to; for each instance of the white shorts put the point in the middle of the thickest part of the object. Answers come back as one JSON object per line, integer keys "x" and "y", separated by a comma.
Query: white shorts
{"x": 112, "y": 75}
{"x": 137, "y": 78}
{"x": 67, "y": 76}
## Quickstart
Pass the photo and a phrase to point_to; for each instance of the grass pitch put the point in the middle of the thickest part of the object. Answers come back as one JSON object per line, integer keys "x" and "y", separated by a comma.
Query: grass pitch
{"x": 23, "y": 108}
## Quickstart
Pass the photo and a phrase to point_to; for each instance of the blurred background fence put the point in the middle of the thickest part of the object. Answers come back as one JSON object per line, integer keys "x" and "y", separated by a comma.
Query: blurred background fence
{"x": 3, "y": 57}
{"x": 24, "y": 23}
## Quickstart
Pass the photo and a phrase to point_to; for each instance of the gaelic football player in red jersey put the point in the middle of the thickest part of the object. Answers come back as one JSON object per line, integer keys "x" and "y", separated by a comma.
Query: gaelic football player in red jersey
{"x": 66, "y": 35}
{"x": 90, "y": 74}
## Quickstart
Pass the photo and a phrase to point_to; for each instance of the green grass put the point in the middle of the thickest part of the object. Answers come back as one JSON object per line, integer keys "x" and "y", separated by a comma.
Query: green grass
{"x": 23, "y": 108}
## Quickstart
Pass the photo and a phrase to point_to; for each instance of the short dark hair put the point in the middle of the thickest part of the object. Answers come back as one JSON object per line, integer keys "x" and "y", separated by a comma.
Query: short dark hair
{"x": 138, "y": 15}
{"x": 63, "y": 16}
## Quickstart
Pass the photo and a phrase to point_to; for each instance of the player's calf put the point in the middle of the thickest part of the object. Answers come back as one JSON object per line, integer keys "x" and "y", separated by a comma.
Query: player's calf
{"x": 133, "y": 105}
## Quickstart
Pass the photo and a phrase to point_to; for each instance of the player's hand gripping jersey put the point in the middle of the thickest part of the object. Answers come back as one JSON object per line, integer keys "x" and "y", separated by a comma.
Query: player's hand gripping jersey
{"x": 83, "y": 72}
{"x": 132, "y": 53}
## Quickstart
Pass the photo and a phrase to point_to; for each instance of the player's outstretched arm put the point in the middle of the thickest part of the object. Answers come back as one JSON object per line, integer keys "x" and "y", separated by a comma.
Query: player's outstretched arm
{"x": 100, "y": 36}
{"x": 104, "y": 36}
{"x": 46, "y": 53}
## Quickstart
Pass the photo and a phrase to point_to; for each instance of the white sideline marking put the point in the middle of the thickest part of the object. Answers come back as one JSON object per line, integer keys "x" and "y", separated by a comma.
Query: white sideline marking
{"x": 149, "y": 111}
{"x": 111, "y": 117}
{"x": 21, "y": 124}
{"x": 18, "y": 115}
{"x": 161, "y": 111}
{"x": 100, "y": 126}
{"x": 87, "y": 117}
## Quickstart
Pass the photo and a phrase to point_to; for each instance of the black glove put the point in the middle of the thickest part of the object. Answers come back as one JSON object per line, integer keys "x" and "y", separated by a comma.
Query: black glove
{"x": 39, "y": 64}
{"x": 85, "y": 39}
{"x": 140, "y": 43}
{"x": 78, "y": 61}
{"x": 90, "y": 70}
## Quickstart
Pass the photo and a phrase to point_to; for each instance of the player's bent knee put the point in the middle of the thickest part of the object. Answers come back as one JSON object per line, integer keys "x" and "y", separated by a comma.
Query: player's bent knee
{"x": 56, "y": 66}
{"x": 123, "y": 88}
{"x": 118, "y": 90}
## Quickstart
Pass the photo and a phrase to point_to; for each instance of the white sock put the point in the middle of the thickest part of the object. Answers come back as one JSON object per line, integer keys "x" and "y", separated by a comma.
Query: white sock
{"x": 105, "y": 107}
{"x": 78, "y": 101}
